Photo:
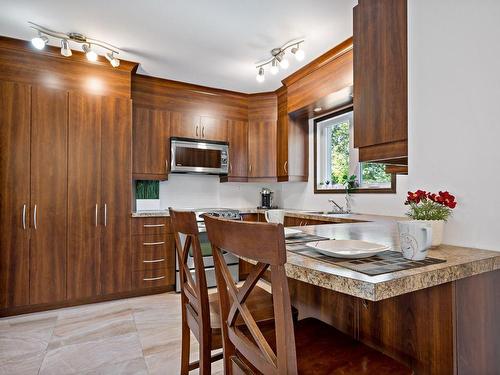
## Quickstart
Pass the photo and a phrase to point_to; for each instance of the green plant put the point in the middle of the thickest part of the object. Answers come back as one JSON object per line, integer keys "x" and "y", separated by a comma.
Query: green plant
{"x": 147, "y": 190}
{"x": 351, "y": 183}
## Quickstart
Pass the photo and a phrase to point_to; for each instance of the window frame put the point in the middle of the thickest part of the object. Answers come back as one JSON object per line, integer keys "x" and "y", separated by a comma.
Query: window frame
{"x": 338, "y": 112}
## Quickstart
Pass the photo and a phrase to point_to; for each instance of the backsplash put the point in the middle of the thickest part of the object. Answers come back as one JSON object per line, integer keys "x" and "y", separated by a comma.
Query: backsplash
{"x": 195, "y": 191}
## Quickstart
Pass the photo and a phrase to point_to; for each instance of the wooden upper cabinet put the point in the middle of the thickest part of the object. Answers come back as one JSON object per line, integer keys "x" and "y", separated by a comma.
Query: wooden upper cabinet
{"x": 380, "y": 79}
{"x": 238, "y": 150}
{"x": 213, "y": 129}
{"x": 262, "y": 149}
{"x": 151, "y": 143}
{"x": 187, "y": 125}
{"x": 292, "y": 143}
{"x": 15, "y": 195}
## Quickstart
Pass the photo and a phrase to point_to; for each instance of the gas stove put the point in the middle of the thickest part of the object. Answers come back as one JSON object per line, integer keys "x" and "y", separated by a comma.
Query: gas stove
{"x": 226, "y": 213}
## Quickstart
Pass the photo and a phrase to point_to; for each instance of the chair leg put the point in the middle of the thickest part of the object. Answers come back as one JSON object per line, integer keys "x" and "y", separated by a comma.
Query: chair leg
{"x": 185, "y": 348}
{"x": 205, "y": 359}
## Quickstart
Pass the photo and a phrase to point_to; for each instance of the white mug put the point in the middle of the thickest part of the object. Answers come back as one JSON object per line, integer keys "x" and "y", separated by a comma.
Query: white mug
{"x": 415, "y": 238}
{"x": 275, "y": 216}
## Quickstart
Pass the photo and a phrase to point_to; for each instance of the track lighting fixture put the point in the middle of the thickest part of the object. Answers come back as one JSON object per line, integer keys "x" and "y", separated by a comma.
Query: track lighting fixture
{"x": 278, "y": 58}
{"x": 260, "y": 75}
{"x": 298, "y": 52}
{"x": 65, "y": 50}
{"x": 89, "y": 52}
{"x": 41, "y": 40}
{"x": 274, "y": 67}
{"x": 112, "y": 59}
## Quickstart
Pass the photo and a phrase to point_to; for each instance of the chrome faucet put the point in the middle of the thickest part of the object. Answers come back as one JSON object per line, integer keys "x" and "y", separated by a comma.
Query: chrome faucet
{"x": 337, "y": 209}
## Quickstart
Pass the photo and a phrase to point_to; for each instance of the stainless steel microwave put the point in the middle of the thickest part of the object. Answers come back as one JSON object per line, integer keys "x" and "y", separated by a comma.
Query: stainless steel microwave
{"x": 196, "y": 156}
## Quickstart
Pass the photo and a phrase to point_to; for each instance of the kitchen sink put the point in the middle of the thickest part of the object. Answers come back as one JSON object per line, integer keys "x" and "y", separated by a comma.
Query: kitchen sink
{"x": 330, "y": 213}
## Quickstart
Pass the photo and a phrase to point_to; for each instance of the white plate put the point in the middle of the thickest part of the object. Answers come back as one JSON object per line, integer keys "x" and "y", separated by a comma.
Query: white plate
{"x": 289, "y": 232}
{"x": 347, "y": 248}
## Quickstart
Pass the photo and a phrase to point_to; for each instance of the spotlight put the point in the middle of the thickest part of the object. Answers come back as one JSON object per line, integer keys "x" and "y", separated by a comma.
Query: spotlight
{"x": 91, "y": 55}
{"x": 112, "y": 60}
{"x": 274, "y": 67}
{"x": 65, "y": 50}
{"x": 260, "y": 77}
{"x": 299, "y": 53}
{"x": 39, "y": 41}
{"x": 284, "y": 63}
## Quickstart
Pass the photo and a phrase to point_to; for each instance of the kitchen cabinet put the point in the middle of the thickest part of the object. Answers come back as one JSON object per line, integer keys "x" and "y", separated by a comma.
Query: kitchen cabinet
{"x": 49, "y": 148}
{"x": 99, "y": 188}
{"x": 151, "y": 143}
{"x": 238, "y": 150}
{"x": 34, "y": 195}
{"x": 187, "y": 125}
{"x": 15, "y": 213}
{"x": 380, "y": 80}
{"x": 153, "y": 253}
{"x": 292, "y": 143}
{"x": 262, "y": 149}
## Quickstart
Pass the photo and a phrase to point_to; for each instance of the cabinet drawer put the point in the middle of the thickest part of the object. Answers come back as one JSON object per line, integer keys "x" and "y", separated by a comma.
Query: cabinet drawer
{"x": 152, "y": 278}
{"x": 152, "y": 252}
{"x": 150, "y": 225}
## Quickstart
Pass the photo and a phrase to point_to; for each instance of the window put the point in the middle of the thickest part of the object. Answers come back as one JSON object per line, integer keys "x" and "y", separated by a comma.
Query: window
{"x": 337, "y": 163}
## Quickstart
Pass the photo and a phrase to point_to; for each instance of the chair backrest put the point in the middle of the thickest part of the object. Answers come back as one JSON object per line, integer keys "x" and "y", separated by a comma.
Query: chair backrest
{"x": 263, "y": 244}
{"x": 194, "y": 293}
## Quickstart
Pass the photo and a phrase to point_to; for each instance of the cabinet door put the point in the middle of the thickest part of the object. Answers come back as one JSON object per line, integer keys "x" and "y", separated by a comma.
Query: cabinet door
{"x": 380, "y": 78}
{"x": 185, "y": 125}
{"x": 15, "y": 194}
{"x": 213, "y": 129}
{"x": 84, "y": 186}
{"x": 116, "y": 164}
{"x": 151, "y": 143}
{"x": 262, "y": 148}
{"x": 238, "y": 148}
{"x": 49, "y": 194}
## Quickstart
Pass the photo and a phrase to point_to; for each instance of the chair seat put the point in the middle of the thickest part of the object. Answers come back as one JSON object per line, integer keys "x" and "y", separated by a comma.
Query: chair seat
{"x": 323, "y": 350}
{"x": 260, "y": 302}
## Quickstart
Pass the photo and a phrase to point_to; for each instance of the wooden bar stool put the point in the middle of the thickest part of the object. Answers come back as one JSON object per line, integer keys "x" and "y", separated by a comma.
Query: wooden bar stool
{"x": 200, "y": 310}
{"x": 309, "y": 347}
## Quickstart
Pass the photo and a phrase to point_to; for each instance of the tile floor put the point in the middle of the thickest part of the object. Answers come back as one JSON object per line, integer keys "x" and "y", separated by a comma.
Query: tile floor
{"x": 131, "y": 336}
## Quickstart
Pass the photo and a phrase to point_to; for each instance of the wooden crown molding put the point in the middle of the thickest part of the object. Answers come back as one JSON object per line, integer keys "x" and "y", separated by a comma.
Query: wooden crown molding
{"x": 317, "y": 63}
{"x": 55, "y": 52}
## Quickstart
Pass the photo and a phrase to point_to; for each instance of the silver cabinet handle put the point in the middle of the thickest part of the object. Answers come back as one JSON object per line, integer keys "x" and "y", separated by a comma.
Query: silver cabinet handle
{"x": 166, "y": 166}
{"x": 96, "y": 214}
{"x": 196, "y": 130}
{"x": 250, "y": 168}
{"x": 153, "y": 225}
{"x": 105, "y": 214}
{"x": 154, "y": 260}
{"x": 153, "y": 243}
{"x": 203, "y": 132}
{"x": 154, "y": 278}
{"x": 285, "y": 165}
{"x": 34, "y": 217}
{"x": 24, "y": 216}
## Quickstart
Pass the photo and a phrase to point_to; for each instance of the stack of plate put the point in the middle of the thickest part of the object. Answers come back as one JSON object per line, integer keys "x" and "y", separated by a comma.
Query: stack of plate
{"x": 351, "y": 249}
{"x": 289, "y": 232}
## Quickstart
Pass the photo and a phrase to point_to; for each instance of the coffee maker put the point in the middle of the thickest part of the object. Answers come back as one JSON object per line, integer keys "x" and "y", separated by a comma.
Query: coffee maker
{"x": 266, "y": 198}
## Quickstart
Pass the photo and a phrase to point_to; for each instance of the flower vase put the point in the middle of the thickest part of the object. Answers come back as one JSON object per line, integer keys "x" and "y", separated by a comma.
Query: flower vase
{"x": 437, "y": 231}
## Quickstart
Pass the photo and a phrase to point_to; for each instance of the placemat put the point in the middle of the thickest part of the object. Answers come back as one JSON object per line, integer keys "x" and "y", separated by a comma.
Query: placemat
{"x": 303, "y": 237}
{"x": 388, "y": 261}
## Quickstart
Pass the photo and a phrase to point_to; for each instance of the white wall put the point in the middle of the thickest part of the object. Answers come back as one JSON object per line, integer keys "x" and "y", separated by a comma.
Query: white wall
{"x": 301, "y": 194}
{"x": 198, "y": 191}
{"x": 454, "y": 120}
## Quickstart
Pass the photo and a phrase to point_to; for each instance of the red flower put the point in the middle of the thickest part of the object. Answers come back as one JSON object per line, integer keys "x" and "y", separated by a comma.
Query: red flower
{"x": 443, "y": 197}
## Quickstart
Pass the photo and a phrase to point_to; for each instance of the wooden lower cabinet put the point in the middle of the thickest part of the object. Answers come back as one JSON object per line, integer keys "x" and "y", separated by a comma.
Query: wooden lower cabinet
{"x": 153, "y": 253}
{"x": 452, "y": 328}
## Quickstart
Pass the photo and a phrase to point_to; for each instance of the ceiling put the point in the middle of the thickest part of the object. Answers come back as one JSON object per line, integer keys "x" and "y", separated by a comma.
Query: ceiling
{"x": 214, "y": 43}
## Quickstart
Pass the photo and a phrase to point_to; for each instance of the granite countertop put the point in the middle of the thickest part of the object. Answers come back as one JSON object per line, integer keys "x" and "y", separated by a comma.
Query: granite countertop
{"x": 460, "y": 262}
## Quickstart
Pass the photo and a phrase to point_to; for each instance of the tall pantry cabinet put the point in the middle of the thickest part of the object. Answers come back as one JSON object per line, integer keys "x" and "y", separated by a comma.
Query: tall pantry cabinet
{"x": 65, "y": 172}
